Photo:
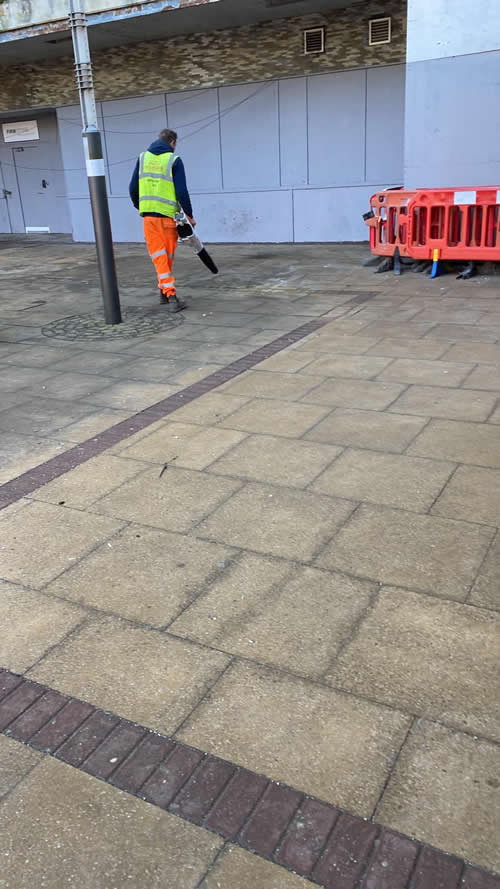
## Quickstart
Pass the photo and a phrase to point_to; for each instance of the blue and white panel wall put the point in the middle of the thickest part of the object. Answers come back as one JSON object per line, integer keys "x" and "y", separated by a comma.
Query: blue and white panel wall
{"x": 289, "y": 160}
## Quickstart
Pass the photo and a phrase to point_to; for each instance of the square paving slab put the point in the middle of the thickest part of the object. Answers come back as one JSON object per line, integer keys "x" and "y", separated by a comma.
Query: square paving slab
{"x": 473, "y": 495}
{"x": 13, "y": 378}
{"x": 270, "y": 417}
{"x": 210, "y": 408}
{"x": 175, "y": 502}
{"x": 362, "y": 367}
{"x": 71, "y": 386}
{"x": 132, "y": 396}
{"x": 482, "y": 353}
{"x": 144, "y": 676}
{"x": 273, "y": 613}
{"x": 444, "y": 791}
{"x": 405, "y": 348}
{"x": 333, "y": 341}
{"x": 144, "y": 574}
{"x": 284, "y": 386}
{"x": 16, "y": 761}
{"x": 450, "y": 404}
{"x": 276, "y": 460}
{"x": 39, "y": 356}
{"x": 427, "y": 553}
{"x": 277, "y": 521}
{"x": 289, "y": 361}
{"x": 430, "y": 373}
{"x": 71, "y": 361}
{"x": 484, "y": 377}
{"x": 399, "y": 329}
{"x": 460, "y": 442}
{"x": 43, "y": 416}
{"x": 89, "y": 482}
{"x": 367, "y": 429}
{"x": 66, "y": 828}
{"x": 320, "y": 741}
{"x": 57, "y": 535}
{"x": 363, "y": 394}
{"x": 31, "y": 624}
{"x": 19, "y": 453}
{"x": 175, "y": 435}
{"x": 463, "y": 333}
{"x": 196, "y": 450}
{"x": 437, "y": 659}
{"x": 394, "y": 480}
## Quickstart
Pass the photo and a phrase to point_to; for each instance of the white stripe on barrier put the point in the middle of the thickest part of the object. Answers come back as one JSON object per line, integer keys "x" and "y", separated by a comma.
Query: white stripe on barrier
{"x": 464, "y": 197}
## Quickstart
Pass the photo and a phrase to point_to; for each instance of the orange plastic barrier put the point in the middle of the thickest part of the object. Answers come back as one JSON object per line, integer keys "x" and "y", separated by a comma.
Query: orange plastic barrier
{"x": 388, "y": 221}
{"x": 461, "y": 224}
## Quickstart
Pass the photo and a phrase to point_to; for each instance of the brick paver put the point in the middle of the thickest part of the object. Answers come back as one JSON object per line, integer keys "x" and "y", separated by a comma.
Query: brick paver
{"x": 329, "y": 847}
{"x": 306, "y": 836}
{"x": 436, "y": 871}
{"x": 237, "y": 801}
{"x": 270, "y": 819}
{"x": 168, "y": 778}
{"x": 347, "y": 853}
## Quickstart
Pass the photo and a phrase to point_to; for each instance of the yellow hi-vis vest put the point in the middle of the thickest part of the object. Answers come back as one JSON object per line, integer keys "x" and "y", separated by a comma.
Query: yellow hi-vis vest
{"x": 156, "y": 184}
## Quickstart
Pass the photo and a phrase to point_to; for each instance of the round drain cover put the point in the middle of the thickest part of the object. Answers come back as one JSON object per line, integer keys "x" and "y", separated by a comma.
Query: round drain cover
{"x": 137, "y": 322}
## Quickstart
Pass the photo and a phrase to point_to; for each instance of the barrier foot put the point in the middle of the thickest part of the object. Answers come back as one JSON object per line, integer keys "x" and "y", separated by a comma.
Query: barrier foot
{"x": 468, "y": 272}
{"x": 385, "y": 266}
{"x": 437, "y": 266}
{"x": 397, "y": 262}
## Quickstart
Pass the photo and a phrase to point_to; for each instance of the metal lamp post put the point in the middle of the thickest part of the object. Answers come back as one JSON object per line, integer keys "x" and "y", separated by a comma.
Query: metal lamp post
{"x": 92, "y": 146}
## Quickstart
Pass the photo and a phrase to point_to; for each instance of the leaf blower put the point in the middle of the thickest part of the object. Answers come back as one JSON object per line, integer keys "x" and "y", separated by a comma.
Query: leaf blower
{"x": 187, "y": 236}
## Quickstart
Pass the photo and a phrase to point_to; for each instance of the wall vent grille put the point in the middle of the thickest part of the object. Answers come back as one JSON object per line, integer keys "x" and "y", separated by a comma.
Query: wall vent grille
{"x": 379, "y": 31}
{"x": 314, "y": 41}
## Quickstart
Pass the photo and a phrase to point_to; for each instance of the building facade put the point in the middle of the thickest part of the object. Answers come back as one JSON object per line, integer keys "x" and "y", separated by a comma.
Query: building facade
{"x": 280, "y": 143}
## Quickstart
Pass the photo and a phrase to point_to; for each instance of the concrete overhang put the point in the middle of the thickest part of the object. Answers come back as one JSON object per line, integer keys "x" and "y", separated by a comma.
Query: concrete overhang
{"x": 149, "y": 20}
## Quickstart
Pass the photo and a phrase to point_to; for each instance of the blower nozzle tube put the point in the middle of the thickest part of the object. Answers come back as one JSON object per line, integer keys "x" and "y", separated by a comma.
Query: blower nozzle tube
{"x": 188, "y": 237}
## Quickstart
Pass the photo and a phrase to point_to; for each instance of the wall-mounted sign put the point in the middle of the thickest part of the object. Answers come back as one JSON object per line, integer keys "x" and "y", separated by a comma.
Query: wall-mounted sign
{"x": 21, "y": 131}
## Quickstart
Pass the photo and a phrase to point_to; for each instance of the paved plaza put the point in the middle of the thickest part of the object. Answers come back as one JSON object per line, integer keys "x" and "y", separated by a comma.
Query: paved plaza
{"x": 249, "y": 582}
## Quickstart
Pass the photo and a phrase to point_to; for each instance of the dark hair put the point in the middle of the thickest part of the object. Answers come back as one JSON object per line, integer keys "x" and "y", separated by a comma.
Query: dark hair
{"x": 168, "y": 136}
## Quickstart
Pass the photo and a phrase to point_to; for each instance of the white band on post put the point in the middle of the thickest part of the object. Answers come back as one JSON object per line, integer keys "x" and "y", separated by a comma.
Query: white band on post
{"x": 95, "y": 167}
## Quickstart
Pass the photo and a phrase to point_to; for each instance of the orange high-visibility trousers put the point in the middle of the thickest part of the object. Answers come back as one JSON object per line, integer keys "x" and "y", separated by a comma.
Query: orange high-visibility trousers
{"x": 161, "y": 240}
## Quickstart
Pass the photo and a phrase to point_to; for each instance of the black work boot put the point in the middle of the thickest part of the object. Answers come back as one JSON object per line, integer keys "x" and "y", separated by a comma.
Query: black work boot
{"x": 164, "y": 300}
{"x": 178, "y": 304}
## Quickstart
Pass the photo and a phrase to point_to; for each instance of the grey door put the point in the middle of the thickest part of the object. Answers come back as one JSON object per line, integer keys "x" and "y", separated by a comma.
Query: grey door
{"x": 5, "y": 226}
{"x": 41, "y": 188}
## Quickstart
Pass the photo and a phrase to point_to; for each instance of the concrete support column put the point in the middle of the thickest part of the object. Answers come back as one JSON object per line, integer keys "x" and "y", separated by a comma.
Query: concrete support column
{"x": 452, "y": 127}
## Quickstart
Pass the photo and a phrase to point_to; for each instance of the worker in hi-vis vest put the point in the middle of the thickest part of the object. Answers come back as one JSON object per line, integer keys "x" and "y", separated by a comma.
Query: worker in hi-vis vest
{"x": 158, "y": 190}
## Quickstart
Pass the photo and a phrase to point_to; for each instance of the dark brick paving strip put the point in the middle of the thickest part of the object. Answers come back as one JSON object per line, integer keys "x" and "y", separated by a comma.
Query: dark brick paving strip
{"x": 41, "y": 475}
{"x": 331, "y": 848}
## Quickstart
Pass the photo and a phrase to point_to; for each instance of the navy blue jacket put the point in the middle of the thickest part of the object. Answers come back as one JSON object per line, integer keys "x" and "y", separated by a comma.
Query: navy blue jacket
{"x": 178, "y": 172}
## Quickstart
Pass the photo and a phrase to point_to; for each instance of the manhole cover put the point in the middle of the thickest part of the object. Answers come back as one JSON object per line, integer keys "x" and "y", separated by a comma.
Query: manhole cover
{"x": 137, "y": 322}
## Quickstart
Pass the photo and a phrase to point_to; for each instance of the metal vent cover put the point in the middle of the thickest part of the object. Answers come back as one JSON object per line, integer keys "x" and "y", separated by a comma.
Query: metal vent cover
{"x": 379, "y": 31}
{"x": 314, "y": 41}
